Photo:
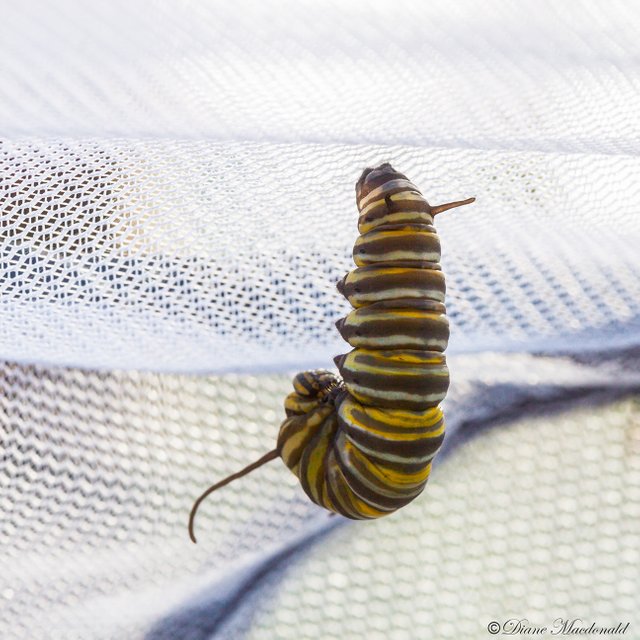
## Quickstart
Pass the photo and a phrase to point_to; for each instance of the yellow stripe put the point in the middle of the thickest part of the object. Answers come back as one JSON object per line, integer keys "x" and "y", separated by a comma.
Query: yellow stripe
{"x": 399, "y": 437}
{"x": 400, "y": 356}
{"x": 396, "y": 417}
{"x": 365, "y": 259}
{"x": 314, "y": 467}
{"x": 293, "y": 437}
{"x": 382, "y": 233}
{"x": 403, "y": 418}
{"x": 386, "y": 475}
{"x": 358, "y": 300}
{"x": 298, "y": 404}
{"x": 393, "y": 421}
{"x": 290, "y": 445}
{"x": 383, "y": 316}
{"x": 407, "y": 479}
{"x": 357, "y": 275}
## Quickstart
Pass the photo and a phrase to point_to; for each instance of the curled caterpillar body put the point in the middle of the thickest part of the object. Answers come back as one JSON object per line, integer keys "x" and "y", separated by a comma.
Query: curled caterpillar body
{"x": 362, "y": 444}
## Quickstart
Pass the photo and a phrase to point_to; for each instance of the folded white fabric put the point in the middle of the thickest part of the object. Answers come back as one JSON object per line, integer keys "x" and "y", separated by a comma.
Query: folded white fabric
{"x": 177, "y": 199}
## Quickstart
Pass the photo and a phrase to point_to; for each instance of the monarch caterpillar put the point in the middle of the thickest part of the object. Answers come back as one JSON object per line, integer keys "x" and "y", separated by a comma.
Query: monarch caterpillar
{"x": 362, "y": 444}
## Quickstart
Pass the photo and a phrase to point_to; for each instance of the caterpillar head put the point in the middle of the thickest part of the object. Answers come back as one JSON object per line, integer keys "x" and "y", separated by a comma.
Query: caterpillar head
{"x": 387, "y": 197}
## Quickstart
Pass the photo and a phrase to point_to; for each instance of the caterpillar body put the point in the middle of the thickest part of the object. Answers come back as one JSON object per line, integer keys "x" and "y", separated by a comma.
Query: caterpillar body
{"x": 362, "y": 443}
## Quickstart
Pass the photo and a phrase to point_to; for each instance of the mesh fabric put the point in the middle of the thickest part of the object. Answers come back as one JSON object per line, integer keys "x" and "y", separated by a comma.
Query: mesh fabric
{"x": 177, "y": 203}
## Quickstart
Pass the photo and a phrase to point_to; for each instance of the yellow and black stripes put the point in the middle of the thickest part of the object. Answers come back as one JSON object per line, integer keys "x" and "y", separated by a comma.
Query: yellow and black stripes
{"x": 362, "y": 445}
{"x": 397, "y": 324}
{"x": 365, "y": 447}
{"x": 399, "y": 243}
{"x": 406, "y": 379}
{"x": 375, "y": 283}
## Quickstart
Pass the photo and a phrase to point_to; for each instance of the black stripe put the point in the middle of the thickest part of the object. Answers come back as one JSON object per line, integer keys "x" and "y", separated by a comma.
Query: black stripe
{"x": 372, "y": 498}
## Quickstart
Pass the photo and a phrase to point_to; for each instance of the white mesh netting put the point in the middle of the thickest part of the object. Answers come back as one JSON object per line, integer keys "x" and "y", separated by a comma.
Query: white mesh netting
{"x": 177, "y": 202}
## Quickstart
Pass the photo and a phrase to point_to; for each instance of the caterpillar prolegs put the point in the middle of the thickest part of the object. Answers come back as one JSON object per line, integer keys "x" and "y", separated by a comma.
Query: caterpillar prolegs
{"x": 362, "y": 444}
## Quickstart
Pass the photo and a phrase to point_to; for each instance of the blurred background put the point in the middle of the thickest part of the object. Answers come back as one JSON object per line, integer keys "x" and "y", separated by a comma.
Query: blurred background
{"x": 177, "y": 202}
